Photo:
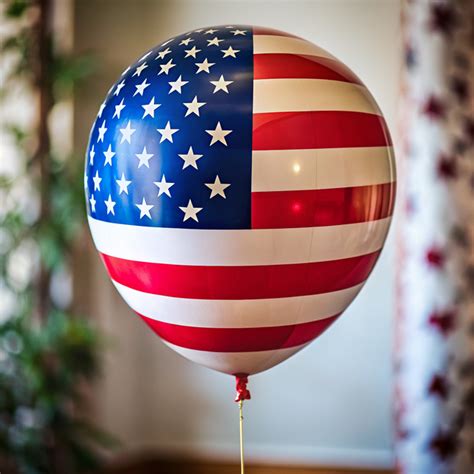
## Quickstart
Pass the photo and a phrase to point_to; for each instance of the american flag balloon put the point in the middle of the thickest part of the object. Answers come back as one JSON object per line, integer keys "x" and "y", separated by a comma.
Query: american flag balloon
{"x": 240, "y": 183}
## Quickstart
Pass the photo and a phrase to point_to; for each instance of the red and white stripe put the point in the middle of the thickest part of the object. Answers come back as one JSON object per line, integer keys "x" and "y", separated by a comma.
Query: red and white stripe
{"x": 241, "y": 301}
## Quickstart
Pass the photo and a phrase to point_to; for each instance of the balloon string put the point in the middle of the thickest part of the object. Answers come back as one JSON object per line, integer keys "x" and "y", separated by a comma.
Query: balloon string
{"x": 241, "y": 381}
{"x": 241, "y": 425}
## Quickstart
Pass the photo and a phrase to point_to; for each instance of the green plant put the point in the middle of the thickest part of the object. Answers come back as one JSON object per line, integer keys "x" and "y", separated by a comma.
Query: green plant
{"x": 47, "y": 354}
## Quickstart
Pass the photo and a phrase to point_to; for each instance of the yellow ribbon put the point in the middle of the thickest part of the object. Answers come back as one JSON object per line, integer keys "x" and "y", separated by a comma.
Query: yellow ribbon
{"x": 241, "y": 425}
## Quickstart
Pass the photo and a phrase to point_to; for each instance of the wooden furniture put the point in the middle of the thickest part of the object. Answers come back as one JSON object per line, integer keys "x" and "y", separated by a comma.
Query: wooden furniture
{"x": 163, "y": 466}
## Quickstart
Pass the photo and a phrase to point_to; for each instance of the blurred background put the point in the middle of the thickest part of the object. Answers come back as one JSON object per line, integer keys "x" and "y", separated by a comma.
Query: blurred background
{"x": 82, "y": 379}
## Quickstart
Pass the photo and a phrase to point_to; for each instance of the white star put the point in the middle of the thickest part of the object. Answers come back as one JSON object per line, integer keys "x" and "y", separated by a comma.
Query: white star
{"x": 190, "y": 212}
{"x": 199, "y": 31}
{"x": 217, "y": 188}
{"x": 144, "y": 158}
{"x": 145, "y": 209}
{"x": 141, "y": 87}
{"x": 186, "y": 41}
{"x": 166, "y": 67}
{"x": 218, "y": 135}
{"x": 110, "y": 205}
{"x": 109, "y": 154}
{"x": 101, "y": 109}
{"x": 194, "y": 106}
{"x": 102, "y": 131}
{"x": 163, "y": 186}
{"x": 176, "y": 85}
{"x": 150, "y": 108}
{"x": 127, "y": 133}
{"x": 97, "y": 179}
{"x": 191, "y": 52}
{"x": 167, "y": 132}
{"x": 123, "y": 184}
{"x": 118, "y": 109}
{"x": 214, "y": 41}
{"x": 91, "y": 155}
{"x": 162, "y": 54}
{"x": 239, "y": 32}
{"x": 230, "y": 51}
{"x": 92, "y": 202}
{"x": 210, "y": 32}
{"x": 140, "y": 68}
{"x": 190, "y": 158}
{"x": 220, "y": 85}
{"x": 119, "y": 87}
{"x": 204, "y": 66}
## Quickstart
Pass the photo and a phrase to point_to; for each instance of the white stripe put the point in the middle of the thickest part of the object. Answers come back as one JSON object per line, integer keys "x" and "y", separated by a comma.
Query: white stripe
{"x": 238, "y": 247}
{"x": 268, "y": 44}
{"x": 284, "y": 170}
{"x": 237, "y": 362}
{"x": 299, "y": 95}
{"x": 238, "y": 313}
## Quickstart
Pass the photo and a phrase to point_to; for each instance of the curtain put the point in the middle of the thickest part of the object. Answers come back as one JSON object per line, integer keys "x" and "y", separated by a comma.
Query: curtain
{"x": 434, "y": 347}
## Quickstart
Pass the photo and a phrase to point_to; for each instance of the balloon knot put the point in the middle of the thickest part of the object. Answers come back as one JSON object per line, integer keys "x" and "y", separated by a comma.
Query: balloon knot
{"x": 243, "y": 393}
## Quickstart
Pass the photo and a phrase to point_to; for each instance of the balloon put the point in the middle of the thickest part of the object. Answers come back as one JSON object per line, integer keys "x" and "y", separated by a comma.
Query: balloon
{"x": 240, "y": 184}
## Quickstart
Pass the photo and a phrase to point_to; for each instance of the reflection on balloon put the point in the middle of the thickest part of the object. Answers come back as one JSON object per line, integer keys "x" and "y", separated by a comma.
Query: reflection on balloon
{"x": 296, "y": 168}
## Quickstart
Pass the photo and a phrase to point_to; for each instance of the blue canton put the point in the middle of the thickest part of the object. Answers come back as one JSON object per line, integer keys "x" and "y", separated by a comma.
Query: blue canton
{"x": 172, "y": 143}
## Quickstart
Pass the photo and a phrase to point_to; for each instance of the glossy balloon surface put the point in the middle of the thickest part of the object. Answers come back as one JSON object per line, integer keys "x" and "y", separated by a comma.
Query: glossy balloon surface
{"x": 240, "y": 184}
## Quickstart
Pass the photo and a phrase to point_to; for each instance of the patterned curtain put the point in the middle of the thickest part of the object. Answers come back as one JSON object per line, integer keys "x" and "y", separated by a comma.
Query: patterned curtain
{"x": 434, "y": 353}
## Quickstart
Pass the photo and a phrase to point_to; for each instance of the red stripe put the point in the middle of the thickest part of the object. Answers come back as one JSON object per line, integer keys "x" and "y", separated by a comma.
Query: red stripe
{"x": 245, "y": 282}
{"x": 292, "y": 66}
{"x": 262, "y": 30}
{"x": 321, "y": 129}
{"x": 239, "y": 339}
{"x": 322, "y": 207}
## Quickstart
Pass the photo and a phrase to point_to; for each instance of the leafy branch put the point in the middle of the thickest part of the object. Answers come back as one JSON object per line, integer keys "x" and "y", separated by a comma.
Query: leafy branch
{"x": 47, "y": 354}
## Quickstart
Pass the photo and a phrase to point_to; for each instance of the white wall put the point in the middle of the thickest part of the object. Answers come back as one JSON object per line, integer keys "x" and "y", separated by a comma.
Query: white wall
{"x": 330, "y": 404}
